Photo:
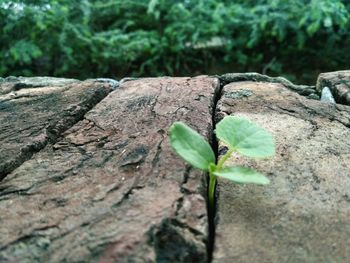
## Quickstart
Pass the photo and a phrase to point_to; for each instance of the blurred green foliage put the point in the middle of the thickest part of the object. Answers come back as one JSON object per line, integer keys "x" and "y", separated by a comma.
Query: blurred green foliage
{"x": 117, "y": 38}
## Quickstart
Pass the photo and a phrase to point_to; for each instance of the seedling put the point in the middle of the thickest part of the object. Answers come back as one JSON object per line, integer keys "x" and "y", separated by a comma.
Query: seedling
{"x": 239, "y": 135}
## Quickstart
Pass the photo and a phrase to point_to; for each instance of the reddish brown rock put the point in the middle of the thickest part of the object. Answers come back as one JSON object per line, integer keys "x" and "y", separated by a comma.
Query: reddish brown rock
{"x": 303, "y": 215}
{"x": 112, "y": 190}
{"x": 34, "y": 111}
{"x": 339, "y": 84}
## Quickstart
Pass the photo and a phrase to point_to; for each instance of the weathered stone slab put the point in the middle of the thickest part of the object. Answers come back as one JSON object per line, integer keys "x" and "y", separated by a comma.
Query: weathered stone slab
{"x": 13, "y": 84}
{"x": 112, "y": 190}
{"x": 37, "y": 110}
{"x": 339, "y": 84}
{"x": 304, "y": 90}
{"x": 303, "y": 215}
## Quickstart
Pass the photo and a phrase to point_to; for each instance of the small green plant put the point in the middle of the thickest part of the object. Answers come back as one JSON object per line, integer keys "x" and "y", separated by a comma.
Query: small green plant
{"x": 239, "y": 134}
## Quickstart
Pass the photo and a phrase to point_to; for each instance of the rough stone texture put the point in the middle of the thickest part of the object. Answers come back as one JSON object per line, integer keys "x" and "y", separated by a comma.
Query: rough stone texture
{"x": 303, "y": 215}
{"x": 112, "y": 190}
{"x": 11, "y": 84}
{"x": 34, "y": 111}
{"x": 339, "y": 84}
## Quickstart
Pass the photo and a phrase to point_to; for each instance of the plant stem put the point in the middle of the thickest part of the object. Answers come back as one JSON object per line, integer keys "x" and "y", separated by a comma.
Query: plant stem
{"x": 224, "y": 158}
{"x": 212, "y": 179}
{"x": 212, "y": 182}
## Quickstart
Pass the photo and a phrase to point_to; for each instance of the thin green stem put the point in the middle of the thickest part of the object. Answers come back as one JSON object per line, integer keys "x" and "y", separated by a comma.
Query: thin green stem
{"x": 212, "y": 182}
{"x": 224, "y": 158}
{"x": 212, "y": 178}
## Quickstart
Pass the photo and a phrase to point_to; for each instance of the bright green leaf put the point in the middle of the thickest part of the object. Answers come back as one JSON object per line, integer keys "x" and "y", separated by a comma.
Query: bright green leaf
{"x": 191, "y": 146}
{"x": 242, "y": 175}
{"x": 245, "y": 137}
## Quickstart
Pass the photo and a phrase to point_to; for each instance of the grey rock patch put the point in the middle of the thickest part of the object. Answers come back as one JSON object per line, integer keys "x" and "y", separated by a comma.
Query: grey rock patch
{"x": 12, "y": 83}
{"x": 241, "y": 93}
{"x": 127, "y": 79}
{"x": 326, "y": 95}
{"x": 304, "y": 90}
{"x": 338, "y": 83}
{"x": 313, "y": 96}
{"x": 114, "y": 83}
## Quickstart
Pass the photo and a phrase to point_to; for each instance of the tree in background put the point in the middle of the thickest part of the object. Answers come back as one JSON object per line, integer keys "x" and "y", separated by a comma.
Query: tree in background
{"x": 117, "y": 38}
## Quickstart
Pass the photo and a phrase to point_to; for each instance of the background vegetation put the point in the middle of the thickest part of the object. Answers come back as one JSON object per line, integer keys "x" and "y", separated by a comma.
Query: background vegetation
{"x": 117, "y": 38}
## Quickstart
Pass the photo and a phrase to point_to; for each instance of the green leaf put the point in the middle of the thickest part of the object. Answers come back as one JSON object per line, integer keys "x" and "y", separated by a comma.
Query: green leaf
{"x": 242, "y": 175}
{"x": 191, "y": 146}
{"x": 245, "y": 137}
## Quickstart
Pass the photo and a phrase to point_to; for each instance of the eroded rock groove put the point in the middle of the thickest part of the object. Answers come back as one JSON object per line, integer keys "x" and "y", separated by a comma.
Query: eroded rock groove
{"x": 36, "y": 111}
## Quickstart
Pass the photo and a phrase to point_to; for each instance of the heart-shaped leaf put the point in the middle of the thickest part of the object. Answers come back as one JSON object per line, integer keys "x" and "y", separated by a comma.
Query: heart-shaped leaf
{"x": 191, "y": 146}
{"x": 245, "y": 137}
{"x": 242, "y": 175}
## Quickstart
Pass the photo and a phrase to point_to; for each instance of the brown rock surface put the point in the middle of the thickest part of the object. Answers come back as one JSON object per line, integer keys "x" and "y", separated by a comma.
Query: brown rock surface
{"x": 339, "y": 84}
{"x": 34, "y": 111}
{"x": 303, "y": 215}
{"x": 112, "y": 190}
